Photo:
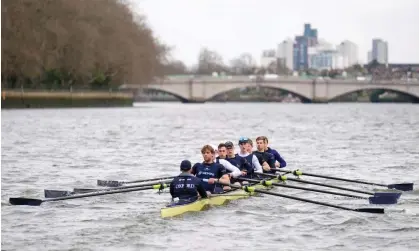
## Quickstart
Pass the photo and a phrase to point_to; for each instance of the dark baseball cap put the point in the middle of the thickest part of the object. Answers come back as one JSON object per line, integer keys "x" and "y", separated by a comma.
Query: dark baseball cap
{"x": 229, "y": 144}
{"x": 185, "y": 165}
{"x": 244, "y": 140}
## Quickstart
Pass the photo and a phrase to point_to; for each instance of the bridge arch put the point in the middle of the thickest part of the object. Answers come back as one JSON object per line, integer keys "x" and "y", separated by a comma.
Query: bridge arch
{"x": 178, "y": 96}
{"x": 305, "y": 97}
{"x": 398, "y": 91}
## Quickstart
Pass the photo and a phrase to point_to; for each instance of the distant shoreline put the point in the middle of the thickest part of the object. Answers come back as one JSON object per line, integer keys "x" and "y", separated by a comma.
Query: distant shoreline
{"x": 59, "y": 99}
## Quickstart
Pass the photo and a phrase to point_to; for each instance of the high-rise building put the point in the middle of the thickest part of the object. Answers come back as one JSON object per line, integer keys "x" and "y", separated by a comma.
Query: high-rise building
{"x": 301, "y": 45}
{"x": 349, "y": 52}
{"x": 369, "y": 56}
{"x": 325, "y": 56}
{"x": 380, "y": 51}
{"x": 285, "y": 53}
{"x": 300, "y": 53}
{"x": 268, "y": 57}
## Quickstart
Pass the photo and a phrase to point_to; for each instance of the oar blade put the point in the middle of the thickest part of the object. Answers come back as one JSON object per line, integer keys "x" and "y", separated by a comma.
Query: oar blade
{"x": 56, "y": 193}
{"x": 401, "y": 186}
{"x": 388, "y": 194}
{"x": 25, "y": 201}
{"x": 383, "y": 200}
{"x": 370, "y": 210}
{"x": 109, "y": 183}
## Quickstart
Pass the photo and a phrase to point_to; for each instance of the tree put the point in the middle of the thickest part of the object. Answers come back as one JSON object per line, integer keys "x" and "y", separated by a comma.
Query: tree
{"x": 175, "y": 67}
{"x": 65, "y": 43}
{"x": 373, "y": 65}
{"x": 209, "y": 62}
{"x": 244, "y": 64}
{"x": 324, "y": 73}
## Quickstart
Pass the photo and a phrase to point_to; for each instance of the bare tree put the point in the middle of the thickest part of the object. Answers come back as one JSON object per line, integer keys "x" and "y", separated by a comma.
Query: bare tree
{"x": 77, "y": 42}
{"x": 175, "y": 67}
{"x": 209, "y": 62}
{"x": 244, "y": 64}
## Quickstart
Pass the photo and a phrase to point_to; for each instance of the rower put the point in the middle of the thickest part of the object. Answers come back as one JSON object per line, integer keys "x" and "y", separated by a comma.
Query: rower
{"x": 213, "y": 169}
{"x": 239, "y": 161}
{"x": 186, "y": 187}
{"x": 244, "y": 144}
{"x": 231, "y": 169}
{"x": 249, "y": 148}
{"x": 279, "y": 161}
{"x": 267, "y": 160}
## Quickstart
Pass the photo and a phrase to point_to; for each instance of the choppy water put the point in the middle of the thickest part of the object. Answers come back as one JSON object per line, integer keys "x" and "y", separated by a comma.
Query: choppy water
{"x": 67, "y": 148}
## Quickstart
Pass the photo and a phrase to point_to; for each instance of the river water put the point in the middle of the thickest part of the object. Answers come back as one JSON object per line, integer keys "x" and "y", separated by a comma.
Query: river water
{"x": 67, "y": 148}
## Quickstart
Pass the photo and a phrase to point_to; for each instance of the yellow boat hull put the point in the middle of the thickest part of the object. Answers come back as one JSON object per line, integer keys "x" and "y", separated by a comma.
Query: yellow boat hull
{"x": 214, "y": 200}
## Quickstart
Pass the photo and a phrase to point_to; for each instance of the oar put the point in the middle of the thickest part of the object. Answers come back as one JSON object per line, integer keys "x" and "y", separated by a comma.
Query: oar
{"x": 270, "y": 183}
{"x": 60, "y": 193}
{"x": 85, "y": 190}
{"x": 398, "y": 186}
{"x": 37, "y": 202}
{"x": 115, "y": 183}
{"x": 251, "y": 189}
{"x": 378, "y": 197}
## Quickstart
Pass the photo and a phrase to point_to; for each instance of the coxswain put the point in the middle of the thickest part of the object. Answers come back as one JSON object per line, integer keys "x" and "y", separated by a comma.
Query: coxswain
{"x": 279, "y": 161}
{"x": 267, "y": 160}
{"x": 186, "y": 187}
{"x": 244, "y": 144}
{"x": 211, "y": 171}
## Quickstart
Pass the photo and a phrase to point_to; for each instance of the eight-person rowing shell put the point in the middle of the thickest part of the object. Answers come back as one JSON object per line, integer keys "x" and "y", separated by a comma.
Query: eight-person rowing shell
{"x": 226, "y": 168}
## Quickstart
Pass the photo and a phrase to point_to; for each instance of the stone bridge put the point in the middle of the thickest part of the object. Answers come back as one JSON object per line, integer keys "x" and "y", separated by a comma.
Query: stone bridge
{"x": 309, "y": 90}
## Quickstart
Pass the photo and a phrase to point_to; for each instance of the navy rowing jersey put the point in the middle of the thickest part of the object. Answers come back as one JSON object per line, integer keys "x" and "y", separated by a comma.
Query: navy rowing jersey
{"x": 207, "y": 171}
{"x": 266, "y": 157}
{"x": 186, "y": 187}
{"x": 241, "y": 163}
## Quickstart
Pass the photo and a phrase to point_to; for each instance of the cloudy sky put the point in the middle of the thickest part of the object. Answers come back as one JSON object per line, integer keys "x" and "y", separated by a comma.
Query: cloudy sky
{"x": 232, "y": 27}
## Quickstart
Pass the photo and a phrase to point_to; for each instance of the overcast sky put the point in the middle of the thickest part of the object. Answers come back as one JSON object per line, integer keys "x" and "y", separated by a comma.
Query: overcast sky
{"x": 232, "y": 27}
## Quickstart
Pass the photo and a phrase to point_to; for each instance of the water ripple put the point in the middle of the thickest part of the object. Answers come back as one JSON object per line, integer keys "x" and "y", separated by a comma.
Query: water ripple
{"x": 67, "y": 148}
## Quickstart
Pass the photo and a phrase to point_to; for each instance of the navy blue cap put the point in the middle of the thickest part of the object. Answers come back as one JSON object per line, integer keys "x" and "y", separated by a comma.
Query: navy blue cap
{"x": 229, "y": 144}
{"x": 185, "y": 165}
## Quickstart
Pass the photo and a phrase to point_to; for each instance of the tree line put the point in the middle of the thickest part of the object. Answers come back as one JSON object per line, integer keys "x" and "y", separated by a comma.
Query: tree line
{"x": 95, "y": 44}
{"x": 210, "y": 61}
{"x": 77, "y": 43}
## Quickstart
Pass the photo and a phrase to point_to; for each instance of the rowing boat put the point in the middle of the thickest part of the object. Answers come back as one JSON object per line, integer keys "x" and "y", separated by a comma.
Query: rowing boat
{"x": 213, "y": 200}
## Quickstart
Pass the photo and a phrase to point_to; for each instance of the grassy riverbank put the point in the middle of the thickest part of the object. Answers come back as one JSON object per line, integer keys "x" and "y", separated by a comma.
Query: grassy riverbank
{"x": 56, "y": 99}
